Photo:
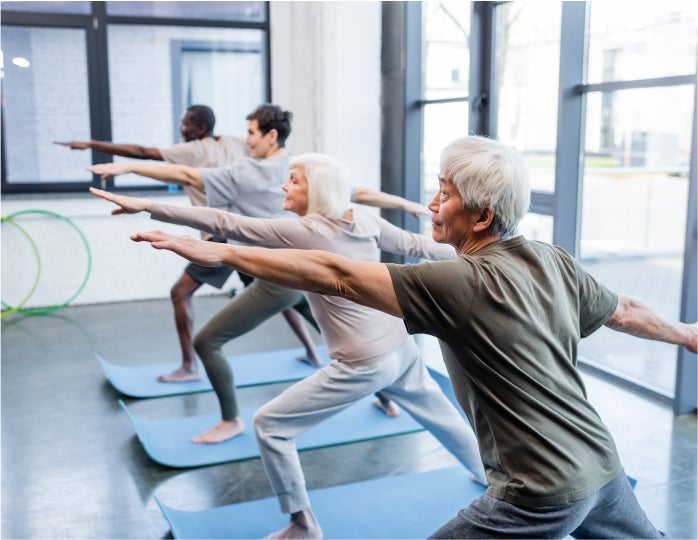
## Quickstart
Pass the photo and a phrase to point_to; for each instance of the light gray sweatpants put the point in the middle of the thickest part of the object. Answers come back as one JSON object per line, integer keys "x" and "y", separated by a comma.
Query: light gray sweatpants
{"x": 403, "y": 377}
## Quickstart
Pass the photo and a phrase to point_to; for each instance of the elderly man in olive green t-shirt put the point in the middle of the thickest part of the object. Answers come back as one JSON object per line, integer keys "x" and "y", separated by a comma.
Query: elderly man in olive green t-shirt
{"x": 509, "y": 314}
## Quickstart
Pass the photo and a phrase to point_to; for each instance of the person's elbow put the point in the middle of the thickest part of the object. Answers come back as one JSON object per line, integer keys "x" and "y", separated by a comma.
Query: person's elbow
{"x": 618, "y": 320}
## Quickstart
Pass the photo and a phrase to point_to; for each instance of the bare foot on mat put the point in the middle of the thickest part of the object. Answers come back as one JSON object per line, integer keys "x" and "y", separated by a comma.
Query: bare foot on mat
{"x": 224, "y": 430}
{"x": 391, "y": 409}
{"x": 181, "y": 375}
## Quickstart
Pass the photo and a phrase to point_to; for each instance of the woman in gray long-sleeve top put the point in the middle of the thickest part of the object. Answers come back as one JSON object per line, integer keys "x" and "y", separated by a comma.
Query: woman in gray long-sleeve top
{"x": 370, "y": 350}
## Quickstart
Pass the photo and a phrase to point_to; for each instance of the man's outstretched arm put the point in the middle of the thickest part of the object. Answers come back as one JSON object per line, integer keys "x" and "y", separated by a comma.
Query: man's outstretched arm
{"x": 182, "y": 175}
{"x": 366, "y": 283}
{"x": 637, "y": 319}
{"x": 134, "y": 151}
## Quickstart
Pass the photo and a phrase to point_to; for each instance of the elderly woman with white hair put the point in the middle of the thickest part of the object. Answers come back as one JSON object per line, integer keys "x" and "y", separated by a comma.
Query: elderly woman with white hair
{"x": 370, "y": 350}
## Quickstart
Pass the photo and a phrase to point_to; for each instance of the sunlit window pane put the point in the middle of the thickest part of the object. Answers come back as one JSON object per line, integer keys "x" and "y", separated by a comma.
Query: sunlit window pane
{"x": 446, "y": 27}
{"x": 156, "y": 72}
{"x": 634, "y": 206}
{"x": 526, "y": 75}
{"x": 443, "y": 122}
{"x": 446, "y": 54}
{"x": 628, "y": 42}
{"x": 44, "y": 91}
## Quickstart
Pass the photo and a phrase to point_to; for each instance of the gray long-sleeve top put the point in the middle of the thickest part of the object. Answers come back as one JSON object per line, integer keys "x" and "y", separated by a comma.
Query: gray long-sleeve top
{"x": 354, "y": 334}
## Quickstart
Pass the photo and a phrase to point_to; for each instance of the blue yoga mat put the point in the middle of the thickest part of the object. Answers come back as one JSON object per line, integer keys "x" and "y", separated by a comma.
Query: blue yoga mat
{"x": 168, "y": 442}
{"x": 405, "y": 506}
{"x": 140, "y": 381}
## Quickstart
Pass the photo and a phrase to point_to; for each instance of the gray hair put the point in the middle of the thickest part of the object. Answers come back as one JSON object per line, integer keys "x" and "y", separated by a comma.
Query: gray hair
{"x": 329, "y": 192}
{"x": 489, "y": 173}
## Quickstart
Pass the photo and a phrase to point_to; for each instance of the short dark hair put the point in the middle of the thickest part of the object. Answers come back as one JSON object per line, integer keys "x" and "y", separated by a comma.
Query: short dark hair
{"x": 273, "y": 117}
{"x": 203, "y": 115}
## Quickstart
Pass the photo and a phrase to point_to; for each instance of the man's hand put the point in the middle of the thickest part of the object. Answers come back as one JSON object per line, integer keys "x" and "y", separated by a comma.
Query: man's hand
{"x": 197, "y": 251}
{"x": 75, "y": 145}
{"x": 127, "y": 205}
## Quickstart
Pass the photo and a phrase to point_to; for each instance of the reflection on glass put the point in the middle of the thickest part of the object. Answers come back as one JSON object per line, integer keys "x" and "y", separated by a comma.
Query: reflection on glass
{"x": 77, "y": 8}
{"x": 43, "y": 102}
{"x": 152, "y": 66}
{"x": 635, "y": 196}
{"x": 216, "y": 11}
{"x": 627, "y": 43}
{"x": 446, "y": 53}
{"x": 526, "y": 83}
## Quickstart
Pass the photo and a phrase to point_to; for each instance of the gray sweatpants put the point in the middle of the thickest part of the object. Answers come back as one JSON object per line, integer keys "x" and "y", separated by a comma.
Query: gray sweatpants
{"x": 404, "y": 378}
{"x": 611, "y": 512}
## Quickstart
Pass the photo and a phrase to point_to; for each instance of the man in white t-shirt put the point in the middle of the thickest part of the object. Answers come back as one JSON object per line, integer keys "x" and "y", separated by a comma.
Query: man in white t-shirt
{"x": 200, "y": 149}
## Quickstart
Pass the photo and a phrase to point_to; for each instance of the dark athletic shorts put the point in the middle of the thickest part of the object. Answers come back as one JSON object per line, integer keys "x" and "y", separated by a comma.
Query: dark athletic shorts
{"x": 215, "y": 276}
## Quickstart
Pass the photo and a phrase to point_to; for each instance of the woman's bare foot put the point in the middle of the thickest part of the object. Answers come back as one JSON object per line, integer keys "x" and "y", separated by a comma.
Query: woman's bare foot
{"x": 181, "y": 375}
{"x": 303, "y": 526}
{"x": 310, "y": 358}
{"x": 224, "y": 430}
{"x": 391, "y": 409}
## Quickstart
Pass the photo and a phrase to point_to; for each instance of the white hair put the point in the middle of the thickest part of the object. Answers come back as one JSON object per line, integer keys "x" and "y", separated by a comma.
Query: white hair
{"x": 329, "y": 192}
{"x": 489, "y": 173}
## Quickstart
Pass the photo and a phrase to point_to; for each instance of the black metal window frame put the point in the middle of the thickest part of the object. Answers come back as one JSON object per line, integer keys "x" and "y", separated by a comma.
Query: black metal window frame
{"x": 96, "y": 26}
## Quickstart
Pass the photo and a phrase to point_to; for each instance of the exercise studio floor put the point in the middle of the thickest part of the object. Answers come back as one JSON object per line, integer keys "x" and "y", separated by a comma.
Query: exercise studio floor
{"x": 73, "y": 468}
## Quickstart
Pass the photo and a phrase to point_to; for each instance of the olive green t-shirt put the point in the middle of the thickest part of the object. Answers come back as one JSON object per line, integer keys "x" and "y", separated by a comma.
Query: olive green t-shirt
{"x": 509, "y": 318}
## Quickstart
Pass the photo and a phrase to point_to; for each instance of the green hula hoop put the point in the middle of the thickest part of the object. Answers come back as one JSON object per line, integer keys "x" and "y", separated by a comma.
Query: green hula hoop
{"x": 38, "y": 267}
{"x": 50, "y": 309}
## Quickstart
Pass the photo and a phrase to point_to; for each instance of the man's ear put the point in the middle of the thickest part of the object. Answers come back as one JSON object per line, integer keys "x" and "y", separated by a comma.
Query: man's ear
{"x": 201, "y": 131}
{"x": 484, "y": 220}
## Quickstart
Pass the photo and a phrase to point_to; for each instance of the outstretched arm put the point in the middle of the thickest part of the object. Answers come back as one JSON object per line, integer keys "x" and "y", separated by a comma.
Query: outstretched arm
{"x": 127, "y": 205}
{"x": 127, "y": 150}
{"x": 182, "y": 175}
{"x": 637, "y": 319}
{"x": 367, "y": 283}
{"x": 370, "y": 197}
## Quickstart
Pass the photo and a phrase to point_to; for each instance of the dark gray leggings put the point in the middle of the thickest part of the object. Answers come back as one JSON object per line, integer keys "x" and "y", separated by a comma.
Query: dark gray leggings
{"x": 611, "y": 512}
{"x": 258, "y": 302}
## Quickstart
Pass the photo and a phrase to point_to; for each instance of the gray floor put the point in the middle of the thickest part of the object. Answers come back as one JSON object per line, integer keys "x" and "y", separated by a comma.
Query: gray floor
{"x": 72, "y": 468}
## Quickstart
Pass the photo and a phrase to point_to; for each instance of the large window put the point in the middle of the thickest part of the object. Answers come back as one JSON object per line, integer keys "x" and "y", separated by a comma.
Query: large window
{"x": 599, "y": 98}
{"x": 636, "y": 172}
{"x": 120, "y": 71}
